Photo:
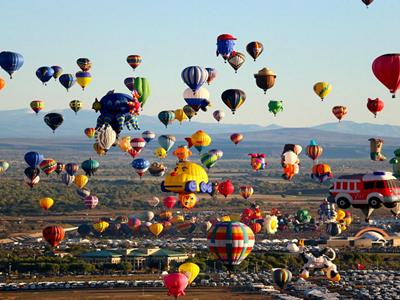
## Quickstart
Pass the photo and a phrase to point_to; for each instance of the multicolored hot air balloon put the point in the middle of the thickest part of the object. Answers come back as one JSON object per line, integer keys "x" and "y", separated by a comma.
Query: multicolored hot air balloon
{"x": 322, "y": 89}
{"x": 208, "y": 160}
{"x": 37, "y": 105}
{"x": 53, "y": 120}
{"x": 48, "y": 166}
{"x": 67, "y": 80}
{"x": 57, "y": 71}
{"x": 265, "y": 79}
{"x": 46, "y": 203}
{"x": 230, "y": 242}
{"x": 225, "y": 45}
{"x": 31, "y": 173}
{"x": 281, "y": 277}
{"x": 60, "y": 168}
{"x": 67, "y": 179}
{"x": 199, "y": 140}
{"x": 84, "y": 64}
{"x": 375, "y": 105}
{"x": 236, "y": 60}
{"x": 76, "y": 105}
{"x": 321, "y": 173}
{"x": 53, "y": 235}
{"x": 233, "y": 98}
{"x": 44, "y": 74}
{"x": 194, "y": 77}
{"x": 254, "y": 49}
{"x": 386, "y": 69}
{"x": 197, "y": 100}
{"x": 246, "y": 191}
{"x": 339, "y": 111}
{"x": 176, "y": 284}
{"x": 90, "y": 132}
{"x": 134, "y": 61}
{"x": 275, "y": 106}
{"x": 140, "y": 166}
{"x": 166, "y": 117}
{"x": 148, "y": 136}
{"x": 314, "y": 151}
{"x": 83, "y": 79}
{"x": 212, "y": 74}
{"x": 11, "y": 62}
{"x": 71, "y": 168}
{"x": 166, "y": 141}
{"x": 236, "y": 138}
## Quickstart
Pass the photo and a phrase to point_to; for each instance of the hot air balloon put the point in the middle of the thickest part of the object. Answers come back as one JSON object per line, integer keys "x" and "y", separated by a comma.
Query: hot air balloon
{"x": 71, "y": 168}
{"x": 190, "y": 270}
{"x": 44, "y": 74}
{"x": 169, "y": 202}
{"x": 2, "y": 83}
{"x": 265, "y": 79}
{"x": 3, "y": 166}
{"x": 84, "y": 64}
{"x": 182, "y": 153}
{"x": 53, "y": 120}
{"x": 208, "y": 160}
{"x": 197, "y": 100}
{"x": 142, "y": 87}
{"x": 176, "y": 284}
{"x": 225, "y": 45}
{"x": 76, "y": 105}
{"x": 236, "y": 60}
{"x": 37, "y": 105}
{"x": 187, "y": 200}
{"x": 83, "y": 193}
{"x": 194, "y": 77}
{"x": 32, "y": 182}
{"x": 257, "y": 161}
{"x": 160, "y": 152}
{"x": 140, "y": 166}
{"x": 57, "y": 71}
{"x": 367, "y": 2}
{"x": 339, "y": 112}
{"x": 53, "y": 235}
{"x": 275, "y": 106}
{"x": 226, "y": 188}
{"x": 375, "y": 105}
{"x": 105, "y": 137}
{"x": 321, "y": 172}
{"x": 67, "y": 80}
{"x": 218, "y": 115}
{"x": 48, "y": 166}
{"x": 233, "y": 98}
{"x": 124, "y": 143}
{"x": 67, "y": 179}
{"x": 322, "y": 89}
{"x": 83, "y": 79}
{"x": 314, "y": 151}
{"x": 11, "y": 62}
{"x": 230, "y": 242}
{"x": 376, "y": 149}
{"x": 236, "y": 138}
{"x": 130, "y": 83}
{"x": 255, "y": 227}
{"x": 101, "y": 226}
{"x": 148, "y": 136}
{"x": 199, "y": 140}
{"x": 189, "y": 111}
{"x": 31, "y": 173}
{"x": 271, "y": 224}
{"x": 166, "y": 117}
{"x": 212, "y": 74}
{"x": 186, "y": 227}
{"x": 153, "y": 201}
{"x": 246, "y": 191}
{"x": 90, "y": 166}
{"x": 156, "y": 229}
{"x": 180, "y": 115}
{"x": 46, "y": 203}
{"x": 281, "y": 277}
{"x": 81, "y": 180}
{"x": 254, "y": 49}
{"x": 99, "y": 150}
{"x": 33, "y": 159}
{"x": 166, "y": 141}
{"x": 134, "y": 61}
{"x": 90, "y": 132}
{"x": 134, "y": 223}
{"x": 91, "y": 201}
{"x": 386, "y": 69}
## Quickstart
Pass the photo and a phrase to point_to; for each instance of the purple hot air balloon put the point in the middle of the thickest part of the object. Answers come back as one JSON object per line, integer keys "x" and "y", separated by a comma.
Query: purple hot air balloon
{"x": 91, "y": 201}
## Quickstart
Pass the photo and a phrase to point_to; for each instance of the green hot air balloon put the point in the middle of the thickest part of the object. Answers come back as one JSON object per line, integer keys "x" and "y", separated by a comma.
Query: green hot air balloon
{"x": 90, "y": 166}
{"x": 166, "y": 117}
{"x": 208, "y": 160}
{"x": 275, "y": 106}
{"x": 142, "y": 87}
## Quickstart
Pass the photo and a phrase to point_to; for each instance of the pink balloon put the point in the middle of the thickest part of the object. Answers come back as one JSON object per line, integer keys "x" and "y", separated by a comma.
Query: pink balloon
{"x": 176, "y": 284}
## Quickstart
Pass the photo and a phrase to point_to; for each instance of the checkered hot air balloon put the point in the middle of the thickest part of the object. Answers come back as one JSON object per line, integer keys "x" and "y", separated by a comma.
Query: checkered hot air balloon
{"x": 230, "y": 242}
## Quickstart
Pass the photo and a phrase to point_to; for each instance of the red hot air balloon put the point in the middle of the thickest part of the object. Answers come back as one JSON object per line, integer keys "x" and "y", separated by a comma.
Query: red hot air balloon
{"x": 375, "y": 105}
{"x": 236, "y": 138}
{"x": 226, "y": 188}
{"x": 138, "y": 144}
{"x": 256, "y": 227}
{"x": 48, "y": 166}
{"x": 386, "y": 69}
{"x": 169, "y": 202}
{"x": 53, "y": 235}
{"x": 367, "y": 2}
{"x": 176, "y": 284}
{"x": 339, "y": 112}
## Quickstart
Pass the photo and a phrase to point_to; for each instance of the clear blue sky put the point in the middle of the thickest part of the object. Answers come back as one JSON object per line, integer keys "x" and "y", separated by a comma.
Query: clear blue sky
{"x": 305, "y": 42}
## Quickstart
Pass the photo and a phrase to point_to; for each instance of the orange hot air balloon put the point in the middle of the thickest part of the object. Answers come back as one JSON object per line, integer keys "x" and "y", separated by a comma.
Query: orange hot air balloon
{"x": 246, "y": 191}
{"x": 53, "y": 235}
{"x": 236, "y": 138}
{"x": 2, "y": 83}
{"x": 46, "y": 203}
{"x": 339, "y": 111}
{"x": 90, "y": 132}
{"x": 256, "y": 227}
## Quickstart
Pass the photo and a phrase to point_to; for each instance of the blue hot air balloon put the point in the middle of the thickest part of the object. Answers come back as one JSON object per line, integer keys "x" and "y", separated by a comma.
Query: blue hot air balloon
{"x": 11, "y": 61}
{"x": 166, "y": 141}
{"x": 148, "y": 135}
{"x": 225, "y": 45}
{"x": 194, "y": 77}
{"x": 33, "y": 159}
{"x": 130, "y": 83}
{"x": 140, "y": 166}
{"x": 44, "y": 74}
{"x": 67, "y": 80}
{"x": 57, "y": 71}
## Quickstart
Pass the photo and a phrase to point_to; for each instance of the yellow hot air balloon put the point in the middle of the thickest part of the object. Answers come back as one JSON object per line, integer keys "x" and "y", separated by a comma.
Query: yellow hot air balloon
{"x": 83, "y": 78}
{"x": 101, "y": 226}
{"x": 81, "y": 180}
{"x": 177, "y": 219}
{"x": 199, "y": 140}
{"x": 340, "y": 215}
{"x": 100, "y": 151}
{"x": 225, "y": 219}
{"x": 322, "y": 89}
{"x": 124, "y": 143}
{"x": 46, "y": 203}
{"x": 156, "y": 228}
{"x": 190, "y": 270}
{"x": 160, "y": 152}
{"x": 180, "y": 115}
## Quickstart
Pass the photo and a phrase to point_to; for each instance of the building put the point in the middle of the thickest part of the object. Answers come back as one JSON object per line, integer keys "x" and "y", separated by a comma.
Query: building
{"x": 369, "y": 237}
{"x": 103, "y": 256}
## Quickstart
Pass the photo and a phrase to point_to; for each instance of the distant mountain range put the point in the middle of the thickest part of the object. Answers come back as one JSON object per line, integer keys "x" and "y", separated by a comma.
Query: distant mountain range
{"x": 23, "y": 123}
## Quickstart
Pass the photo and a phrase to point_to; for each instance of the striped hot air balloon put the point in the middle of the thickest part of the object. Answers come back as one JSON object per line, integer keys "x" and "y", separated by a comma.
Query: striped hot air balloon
{"x": 48, "y": 166}
{"x": 90, "y": 132}
{"x": 84, "y": 64}
{"x": 138, "y": 144}
{"x": 67, "y": 80}
{"x": 194, "y": 77}
{"x": 281, "y": 277}
{"x": 134, "y": 61}
{"x": 246, "y": 191}
{"x": 230, "y": 242}
{"x": 314, "y": 151}
{"x": 148, "y": 136}
{"x": 37, "y": 105}
{"x": 339, "y": 111}
{"x": 53, "y": 235}
{"x": 233, "y": 98}
{"x": 71, "y": 168}
{"x": 91, "y": 201}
